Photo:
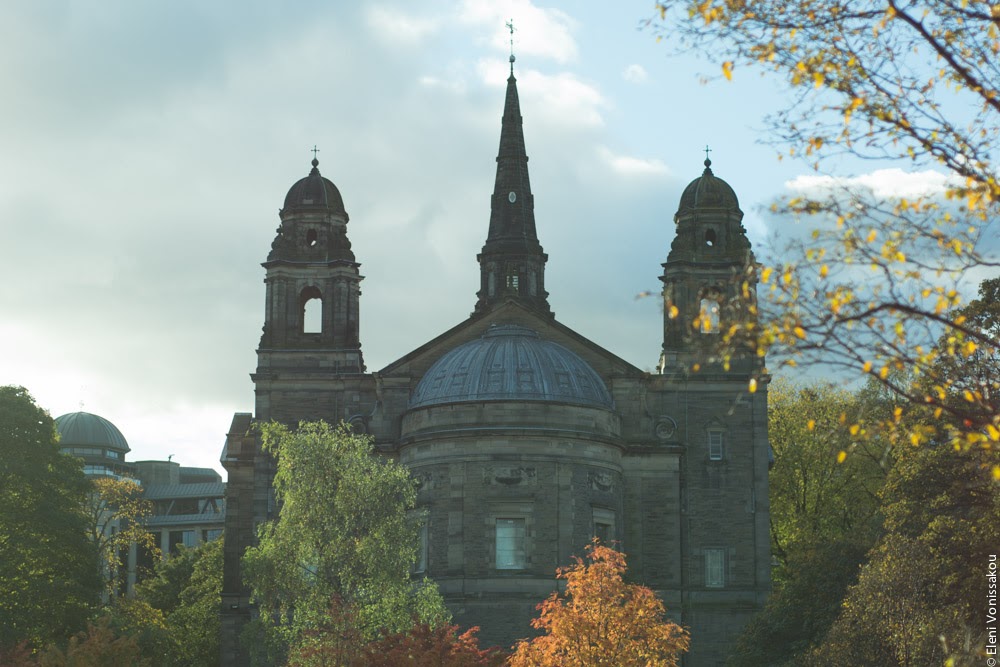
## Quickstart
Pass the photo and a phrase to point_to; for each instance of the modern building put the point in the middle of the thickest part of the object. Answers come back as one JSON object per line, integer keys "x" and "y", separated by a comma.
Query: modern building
{"x": 526, "y": 437}
{"x": 188, "y": 503}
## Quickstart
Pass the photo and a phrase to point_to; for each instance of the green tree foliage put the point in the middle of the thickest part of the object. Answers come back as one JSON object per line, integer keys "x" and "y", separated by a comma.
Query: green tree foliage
{"x": 824, "y": 514}
{"x": 918, "y": 598}
{"x": 116, "y": 517}
{"x": 48, "y": 569}
{"x": 871, "y": 290}
{"x": 819, "y": 494}
{"x": 601, "y": 621}
{"x": 799, "y": 614}
{"x": 175, "y": 614}
{"x": 343, "y": 541}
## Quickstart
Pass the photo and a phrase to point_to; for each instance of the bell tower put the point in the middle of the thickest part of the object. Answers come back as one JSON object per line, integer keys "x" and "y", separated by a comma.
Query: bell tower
{"x": 708, "y": 278}
{"x": 311, "y": 319}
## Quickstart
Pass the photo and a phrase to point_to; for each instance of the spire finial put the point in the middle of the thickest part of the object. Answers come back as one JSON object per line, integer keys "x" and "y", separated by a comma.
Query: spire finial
{"x": 510, "y": 26}
{"x": 708, "y": 163}
{"x": 315, "y": 150}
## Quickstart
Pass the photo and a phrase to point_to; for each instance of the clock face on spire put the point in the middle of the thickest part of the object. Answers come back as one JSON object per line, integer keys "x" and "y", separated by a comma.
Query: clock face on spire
{"x": 512, "y": 197}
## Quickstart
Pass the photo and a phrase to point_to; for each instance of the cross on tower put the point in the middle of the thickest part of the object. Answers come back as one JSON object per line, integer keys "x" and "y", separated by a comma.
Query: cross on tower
{"x": 707, "y": 151}
{"x": 510, "y": 26}
{"x": 314, "y": 150}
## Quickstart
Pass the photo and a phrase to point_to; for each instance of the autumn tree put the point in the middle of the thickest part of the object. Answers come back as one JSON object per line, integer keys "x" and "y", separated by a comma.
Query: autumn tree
{"x": 601, "y": 621}
{"x": 870, "y": 289}
{"x": 48, "y": 569}
{"x": 116, "y": 518}
{"x": 336, "y": 562}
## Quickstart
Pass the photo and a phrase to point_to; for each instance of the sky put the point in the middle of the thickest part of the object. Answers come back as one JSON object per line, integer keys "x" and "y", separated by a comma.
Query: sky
{"x": 147, "y": 148}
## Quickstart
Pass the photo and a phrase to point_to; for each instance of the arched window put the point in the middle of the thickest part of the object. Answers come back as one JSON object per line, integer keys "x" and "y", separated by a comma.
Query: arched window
{"x": 710, "y": 240}
{"x": 311, "y": 238}
{"x": 311, "y": 304}
{"x": 708, "y": 316}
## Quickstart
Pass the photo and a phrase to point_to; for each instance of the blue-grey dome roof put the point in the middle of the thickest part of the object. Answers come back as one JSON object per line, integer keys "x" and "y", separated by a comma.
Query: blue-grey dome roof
{"x": 83, "y": 429}
{"x": 511, "y": 363}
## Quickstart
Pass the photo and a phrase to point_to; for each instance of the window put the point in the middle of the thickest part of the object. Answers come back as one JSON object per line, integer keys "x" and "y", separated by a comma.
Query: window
{"x": 715, "y": 445}
{"x": 311, "y": 238}
{"x": 715, "y": 560}
{"x": 708, "y": 316}
{"x": 510, "y": 537}
{"x": 512, "y": 281}
{"x": 420, "y": 565}
{"x": 604, "y": 526}
{"x": 209, "y": 534}
{"x": 311, "y": 303}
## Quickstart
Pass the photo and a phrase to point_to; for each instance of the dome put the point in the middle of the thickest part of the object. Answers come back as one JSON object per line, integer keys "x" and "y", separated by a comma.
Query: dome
{"x": 511, "y": 363}
{"x": 82, "y": 429}
{"x": 707, "y": 191}
{"x": 314, "y": 192}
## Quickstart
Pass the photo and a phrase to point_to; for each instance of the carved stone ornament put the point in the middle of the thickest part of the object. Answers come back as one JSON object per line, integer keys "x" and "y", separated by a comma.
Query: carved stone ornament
{"x": 508, "y": 475}
{"x": 602, "y": 481}
{"x": 665, "y": 428}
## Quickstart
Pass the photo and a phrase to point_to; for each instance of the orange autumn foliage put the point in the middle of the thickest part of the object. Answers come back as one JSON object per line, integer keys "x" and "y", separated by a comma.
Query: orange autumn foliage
{"x": 601, "y": 621}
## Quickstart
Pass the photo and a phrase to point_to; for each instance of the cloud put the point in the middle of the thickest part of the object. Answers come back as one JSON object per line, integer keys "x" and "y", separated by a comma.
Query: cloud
{"x": 635, "y": 73}
{"x": 538, "y": 31}
{"x": 394, "y": 27}
{"x": 881, "y": 183}
{"x": 626, "y": 165}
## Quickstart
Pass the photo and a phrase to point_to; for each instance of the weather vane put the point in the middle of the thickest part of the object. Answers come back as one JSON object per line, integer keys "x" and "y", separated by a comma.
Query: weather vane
{"x": 510, "y": 26}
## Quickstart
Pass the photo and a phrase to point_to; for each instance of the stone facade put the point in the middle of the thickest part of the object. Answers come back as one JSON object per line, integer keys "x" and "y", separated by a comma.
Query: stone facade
{"x": 526, "y": 438}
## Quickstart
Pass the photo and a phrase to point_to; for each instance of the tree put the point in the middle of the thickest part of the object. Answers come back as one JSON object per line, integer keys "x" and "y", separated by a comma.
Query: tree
{"x": 818, "y": 494}
{"x": 344, "y": 539}
{"x": 870, "y": 290}
{"x": 420, "y": 646}
{"x": 174, "y": 616}
{"x": 601, "y": 620}
{"x": 117, "y": 514}
{"x": 48, "y": 569}
{"x": 824, "y": 515}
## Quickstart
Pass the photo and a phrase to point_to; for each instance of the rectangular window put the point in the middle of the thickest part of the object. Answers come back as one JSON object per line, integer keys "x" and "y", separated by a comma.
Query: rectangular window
{"x": 510, "y": 538}
{"x": 189, "y": 539}
{"x": 209, "y": 534}
{"x": 604, "y": 526}
{"x": 715, "y": 570}
{"x": 420, "y": 565}
{"x": 715, "y": 445}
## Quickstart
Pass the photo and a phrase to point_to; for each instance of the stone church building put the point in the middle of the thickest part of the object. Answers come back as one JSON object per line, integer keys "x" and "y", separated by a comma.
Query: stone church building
{"x": 527, "y": 439}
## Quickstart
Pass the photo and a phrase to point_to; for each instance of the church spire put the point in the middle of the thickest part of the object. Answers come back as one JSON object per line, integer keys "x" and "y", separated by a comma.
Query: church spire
{"x": 512, "y": 262}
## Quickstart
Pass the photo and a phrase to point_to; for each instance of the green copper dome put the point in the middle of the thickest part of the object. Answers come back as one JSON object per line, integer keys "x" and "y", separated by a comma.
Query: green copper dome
{"x": 83, "y": 429}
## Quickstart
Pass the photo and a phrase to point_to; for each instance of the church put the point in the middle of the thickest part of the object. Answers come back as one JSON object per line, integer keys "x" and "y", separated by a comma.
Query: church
{"x": 526, "y": 438}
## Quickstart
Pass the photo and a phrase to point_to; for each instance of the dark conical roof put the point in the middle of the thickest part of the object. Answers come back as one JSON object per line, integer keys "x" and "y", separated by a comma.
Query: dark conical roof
{"x": 83, "y": 429}
{"x": 511, "y": 363}
{"x": 708, "y": 191}
{"x": 314, "y": 192}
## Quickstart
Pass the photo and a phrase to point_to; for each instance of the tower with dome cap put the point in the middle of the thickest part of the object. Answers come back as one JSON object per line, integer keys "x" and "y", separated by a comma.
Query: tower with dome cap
{"x": 526, "y": 438}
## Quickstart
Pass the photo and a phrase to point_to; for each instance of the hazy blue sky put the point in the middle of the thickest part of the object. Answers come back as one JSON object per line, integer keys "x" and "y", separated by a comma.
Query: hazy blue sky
{"x": 147, "y": 147}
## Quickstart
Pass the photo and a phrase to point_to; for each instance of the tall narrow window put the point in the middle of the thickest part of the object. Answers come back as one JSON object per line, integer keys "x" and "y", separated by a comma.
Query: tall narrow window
{"x": 715, "y": 449}
{"x": 510, "y": 551}
{"x": 708, "y": 316}
{"x": 311, "y": 303}
{"x": 715, "y": 568}
{"x": 512, "y": 281}
{"x": 420, "y": 565}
